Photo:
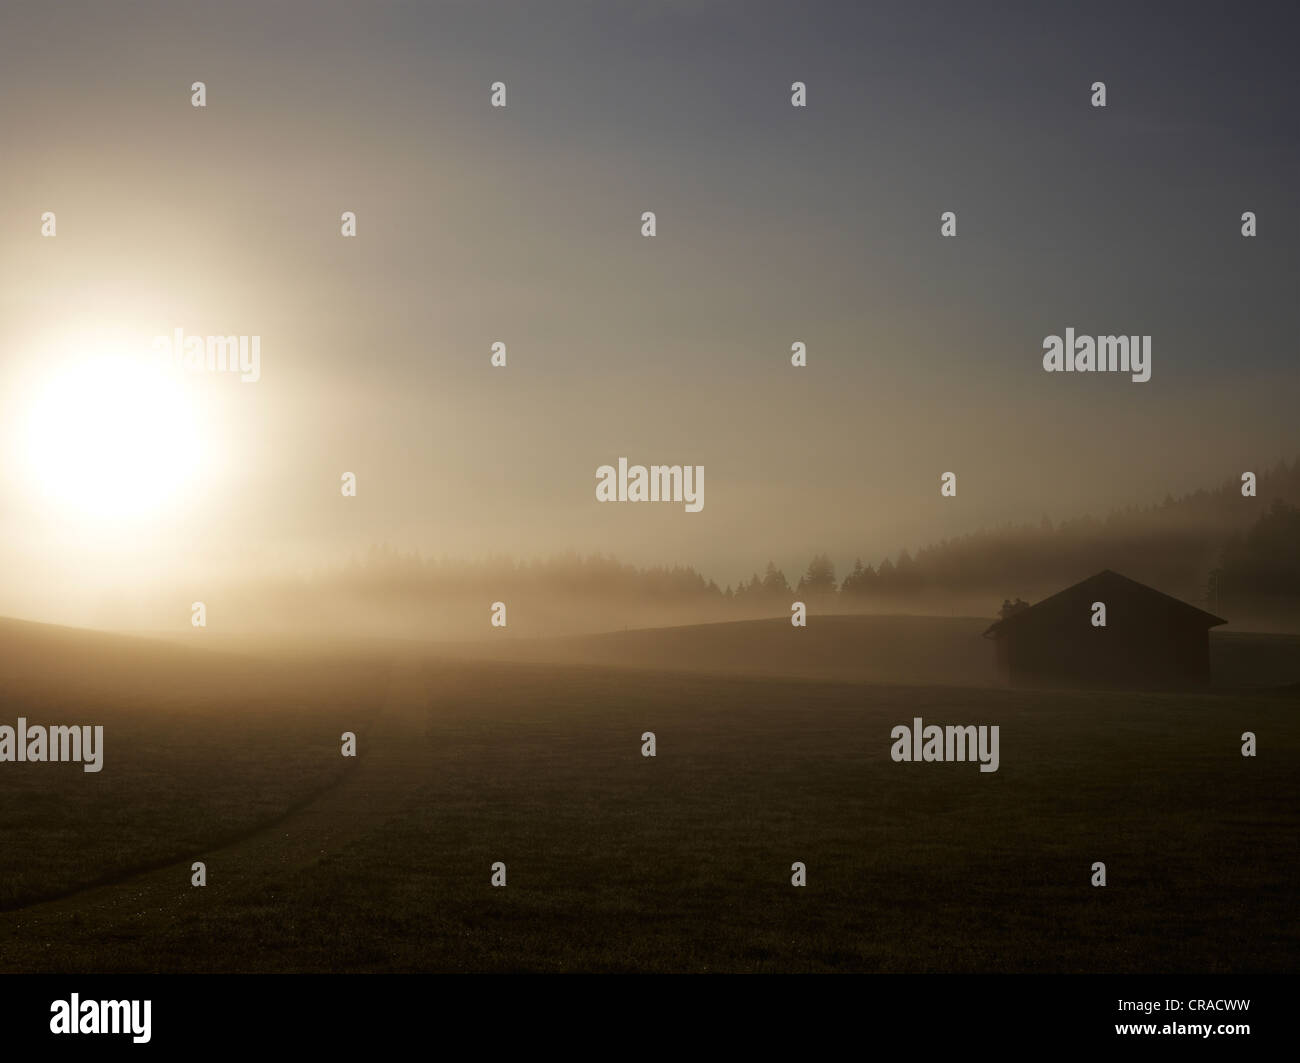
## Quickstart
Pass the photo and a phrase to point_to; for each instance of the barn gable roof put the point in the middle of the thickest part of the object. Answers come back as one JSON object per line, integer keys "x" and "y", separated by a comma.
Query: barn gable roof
{"x": 1106, "y": 582}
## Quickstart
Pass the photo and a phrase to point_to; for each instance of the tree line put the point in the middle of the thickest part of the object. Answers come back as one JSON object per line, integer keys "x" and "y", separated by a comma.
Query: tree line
{"x": 1213, "y": 548}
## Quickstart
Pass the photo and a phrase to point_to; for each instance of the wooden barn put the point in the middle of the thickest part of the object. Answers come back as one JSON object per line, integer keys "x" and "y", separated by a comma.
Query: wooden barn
{"x": 1149, "y": 641}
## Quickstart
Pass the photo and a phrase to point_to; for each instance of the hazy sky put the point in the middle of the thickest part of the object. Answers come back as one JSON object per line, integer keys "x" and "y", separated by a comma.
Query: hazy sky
{"x": 775, "y": 225}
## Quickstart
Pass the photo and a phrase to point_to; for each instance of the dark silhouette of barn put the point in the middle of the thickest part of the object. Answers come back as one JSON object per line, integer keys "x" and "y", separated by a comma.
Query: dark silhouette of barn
{"x": 1150, "y": 641}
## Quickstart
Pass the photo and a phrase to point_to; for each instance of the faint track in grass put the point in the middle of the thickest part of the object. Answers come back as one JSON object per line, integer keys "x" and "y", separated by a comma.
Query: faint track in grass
{"x": 386, "y": 774}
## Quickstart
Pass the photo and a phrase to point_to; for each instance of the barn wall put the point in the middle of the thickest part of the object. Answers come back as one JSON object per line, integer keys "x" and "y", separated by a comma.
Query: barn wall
{"x": 1136, "y": 650}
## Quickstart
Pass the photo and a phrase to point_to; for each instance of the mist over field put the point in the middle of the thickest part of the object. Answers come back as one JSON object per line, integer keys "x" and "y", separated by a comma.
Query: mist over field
{"x": 520, "y": 225}
{"x": 1233, "y": 556}
{"x": 500, "y": 486}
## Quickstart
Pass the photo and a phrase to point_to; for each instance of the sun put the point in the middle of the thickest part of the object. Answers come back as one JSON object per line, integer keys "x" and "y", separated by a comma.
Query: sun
{"x": 110, "y": 437}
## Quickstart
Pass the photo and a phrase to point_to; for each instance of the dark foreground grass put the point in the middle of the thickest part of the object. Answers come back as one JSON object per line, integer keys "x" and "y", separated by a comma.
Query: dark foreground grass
{"x": 682, "y": 862}
{"x": 199, "y": 749}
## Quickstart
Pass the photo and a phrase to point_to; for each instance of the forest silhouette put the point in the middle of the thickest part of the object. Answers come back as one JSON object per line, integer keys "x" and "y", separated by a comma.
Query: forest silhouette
{"x": 1238, "y": 556}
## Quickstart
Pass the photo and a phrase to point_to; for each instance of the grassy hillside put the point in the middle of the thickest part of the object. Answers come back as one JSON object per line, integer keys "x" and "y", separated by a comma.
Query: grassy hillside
{"x": 882, "y": 649}
{"x": 925, "y": 650}
{"x": 199, "y": 749}
{"x": 620, "y": 862}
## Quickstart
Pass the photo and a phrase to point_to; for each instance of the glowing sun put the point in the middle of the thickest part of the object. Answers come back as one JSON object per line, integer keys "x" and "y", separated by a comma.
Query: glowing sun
{"x": 110, "y": 437}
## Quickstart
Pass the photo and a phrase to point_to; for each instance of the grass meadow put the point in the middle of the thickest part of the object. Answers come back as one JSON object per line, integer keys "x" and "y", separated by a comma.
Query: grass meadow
{"x": 619, "y": 862}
